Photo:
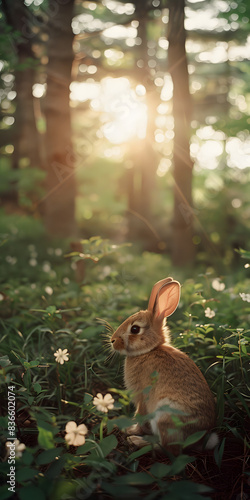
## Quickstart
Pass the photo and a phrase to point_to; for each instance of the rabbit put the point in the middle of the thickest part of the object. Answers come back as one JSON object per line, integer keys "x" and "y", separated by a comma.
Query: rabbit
{"x": 172, "y": 379}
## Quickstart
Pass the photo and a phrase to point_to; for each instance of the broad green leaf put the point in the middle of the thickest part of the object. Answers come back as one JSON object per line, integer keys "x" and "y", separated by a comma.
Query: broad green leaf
{"x": 48, "y": 456}
{"x": 139, "y": 453}
{"x": 193, "y": 438}
{"x": 120, "y": 492}
{"x": 25, "y": 473}
{"x": 160, "y": 470}
{"x": 179, "y": 464}
{"x": 45, "y": 438}
{"x": 108, "y": 444}
{"x": 31, "y": 493}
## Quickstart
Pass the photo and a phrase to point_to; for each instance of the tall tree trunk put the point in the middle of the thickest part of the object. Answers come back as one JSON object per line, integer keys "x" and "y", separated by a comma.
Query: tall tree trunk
{"x": 25, "y": 135}
{"x": 183, "y": 248}
{"x": 141, "y": 177}
{"x": 59, "y": 205}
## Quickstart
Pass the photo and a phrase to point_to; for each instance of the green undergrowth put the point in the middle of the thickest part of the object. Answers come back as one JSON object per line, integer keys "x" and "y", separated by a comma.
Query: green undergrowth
{"x": 52, "y": 298}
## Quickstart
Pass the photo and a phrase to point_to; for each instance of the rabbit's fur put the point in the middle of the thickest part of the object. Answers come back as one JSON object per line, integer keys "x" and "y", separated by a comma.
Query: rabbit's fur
{"x": 169, "y": 376}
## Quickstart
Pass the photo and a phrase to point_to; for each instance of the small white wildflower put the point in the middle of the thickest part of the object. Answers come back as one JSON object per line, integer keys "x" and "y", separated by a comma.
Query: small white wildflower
{"x": 58, "y": 252}
{"x": 209, "y": 313}
{"x": 11, "y": 260}
{"x": 1, "y": 297}
{"x": 66, "y": 281}
{"x": 103, "y": 403}
{"x": 46, "y": 267}
{"x": 73, "y": 266}
{"x": 75, "y": 434}
{"x": 33, "y": 286}
{"x": 245, "y": 296}
{"x": 49, "y": 290}
{"x": 246, "y": 266}
{"x": 61, "y": 356}
{"x": 33, "y": 262}
{"x": 33, "y": 255}
{"x": 19, "y": 447}
{"x": 218, "y": 285}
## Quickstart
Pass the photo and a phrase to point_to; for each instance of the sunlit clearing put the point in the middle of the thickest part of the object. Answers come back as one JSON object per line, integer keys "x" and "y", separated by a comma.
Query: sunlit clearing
{"x": 128, "y": 115}
{"x": 121, "y": 108}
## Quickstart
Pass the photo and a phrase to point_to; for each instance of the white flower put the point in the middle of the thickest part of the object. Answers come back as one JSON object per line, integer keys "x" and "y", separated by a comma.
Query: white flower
{"x": 66, "y": 280}
{"x": 218, "y": 285}
{"x": 209, "y": 313}
{"x": 33, "y": 286}
{"x": 46, "y": 267}
{"x": 49, "y": 290}
{"x": 104, "y": 403}
{"x": 61, "y": 356}
{"x": 246, "y": 266}
{"x": 245, "y": 296}
{"x": 19, "y": 447}
{"x": 33, "y": 262}
{"x": 75, "y": 434}
{"x": 11, "y": 260}
{"x": 1, "y": 297}
{"x": 58, "y": 252}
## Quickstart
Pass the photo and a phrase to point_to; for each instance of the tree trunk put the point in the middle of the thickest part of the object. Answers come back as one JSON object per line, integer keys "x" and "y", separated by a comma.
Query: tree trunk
{"x": 25, "y": 136}
{"x": 59, "y": 205}
{"x": 141, "y": 177}
{"x": 182, "y": 244}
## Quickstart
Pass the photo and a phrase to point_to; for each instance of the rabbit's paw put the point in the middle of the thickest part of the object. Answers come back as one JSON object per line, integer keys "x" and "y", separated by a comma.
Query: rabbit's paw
{"x": 137, "y": 441}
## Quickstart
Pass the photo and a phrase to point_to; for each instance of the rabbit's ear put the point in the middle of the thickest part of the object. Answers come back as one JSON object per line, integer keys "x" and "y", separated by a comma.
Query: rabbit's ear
{"x": 167, "y": 300}
{"x": 155, "y": 290}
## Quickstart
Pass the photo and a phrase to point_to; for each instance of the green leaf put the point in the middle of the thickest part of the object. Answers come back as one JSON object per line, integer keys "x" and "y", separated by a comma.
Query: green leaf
{"x": 4, "y": 361}
{"x": 45, "y": 438}
{"x": 121, "y": 422}
{"x": 5, "y": 493}
{"x": 25, "y": 474}
{"x": 160, "y": 470}
{"x": 37, "y": 387}
{"x": 55, "y": 468}
{"x": 108, "y": 444}
{"x": 179, "y": 464}
{"x": 193, "y": 438}
{"x": 48, "y": 456}
{"x": 120, "y": 492}
{"x": 187, "y": 490}
{"x": 139, "y": 453}
{"x": 218, "y": 452}
{"x": 31, "y": 492}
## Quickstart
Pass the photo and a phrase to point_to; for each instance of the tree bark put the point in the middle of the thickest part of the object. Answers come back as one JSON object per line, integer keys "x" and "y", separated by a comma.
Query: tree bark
{"x": 59, "y": 205}
{"x": 25, "y": 136}
{"x": 141, "y": 177}
{"x": 183, "y": 251}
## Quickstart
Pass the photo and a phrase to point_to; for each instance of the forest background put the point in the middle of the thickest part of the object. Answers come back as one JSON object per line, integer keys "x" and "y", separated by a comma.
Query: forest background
{"x": 124, "y": 159}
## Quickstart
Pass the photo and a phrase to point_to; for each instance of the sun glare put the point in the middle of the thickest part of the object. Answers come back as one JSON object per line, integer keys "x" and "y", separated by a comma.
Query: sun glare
{"x": 123, "y": 110}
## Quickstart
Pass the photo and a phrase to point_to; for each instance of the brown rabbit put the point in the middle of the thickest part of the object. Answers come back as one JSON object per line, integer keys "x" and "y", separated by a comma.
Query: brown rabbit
{"x": 172, "y": 379}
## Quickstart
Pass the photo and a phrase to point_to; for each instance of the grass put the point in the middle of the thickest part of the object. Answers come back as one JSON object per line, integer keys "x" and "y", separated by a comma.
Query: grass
{"x": 44, "y": 308}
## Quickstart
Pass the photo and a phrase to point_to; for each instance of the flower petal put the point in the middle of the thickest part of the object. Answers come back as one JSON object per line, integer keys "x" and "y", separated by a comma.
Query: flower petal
{"x": 70, "y": 426}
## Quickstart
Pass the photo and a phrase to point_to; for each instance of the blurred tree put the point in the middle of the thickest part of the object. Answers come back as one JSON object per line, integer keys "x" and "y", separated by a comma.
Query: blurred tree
{"x": 59, "y": 205}
{"x": 25, "y": 136}
{"x": 141, "y": 177}
{"x": 182, "y": 243}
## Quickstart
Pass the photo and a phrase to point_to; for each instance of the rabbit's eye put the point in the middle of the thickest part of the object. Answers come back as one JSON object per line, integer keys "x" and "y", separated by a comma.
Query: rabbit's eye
{"x": 135, "y": 329}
